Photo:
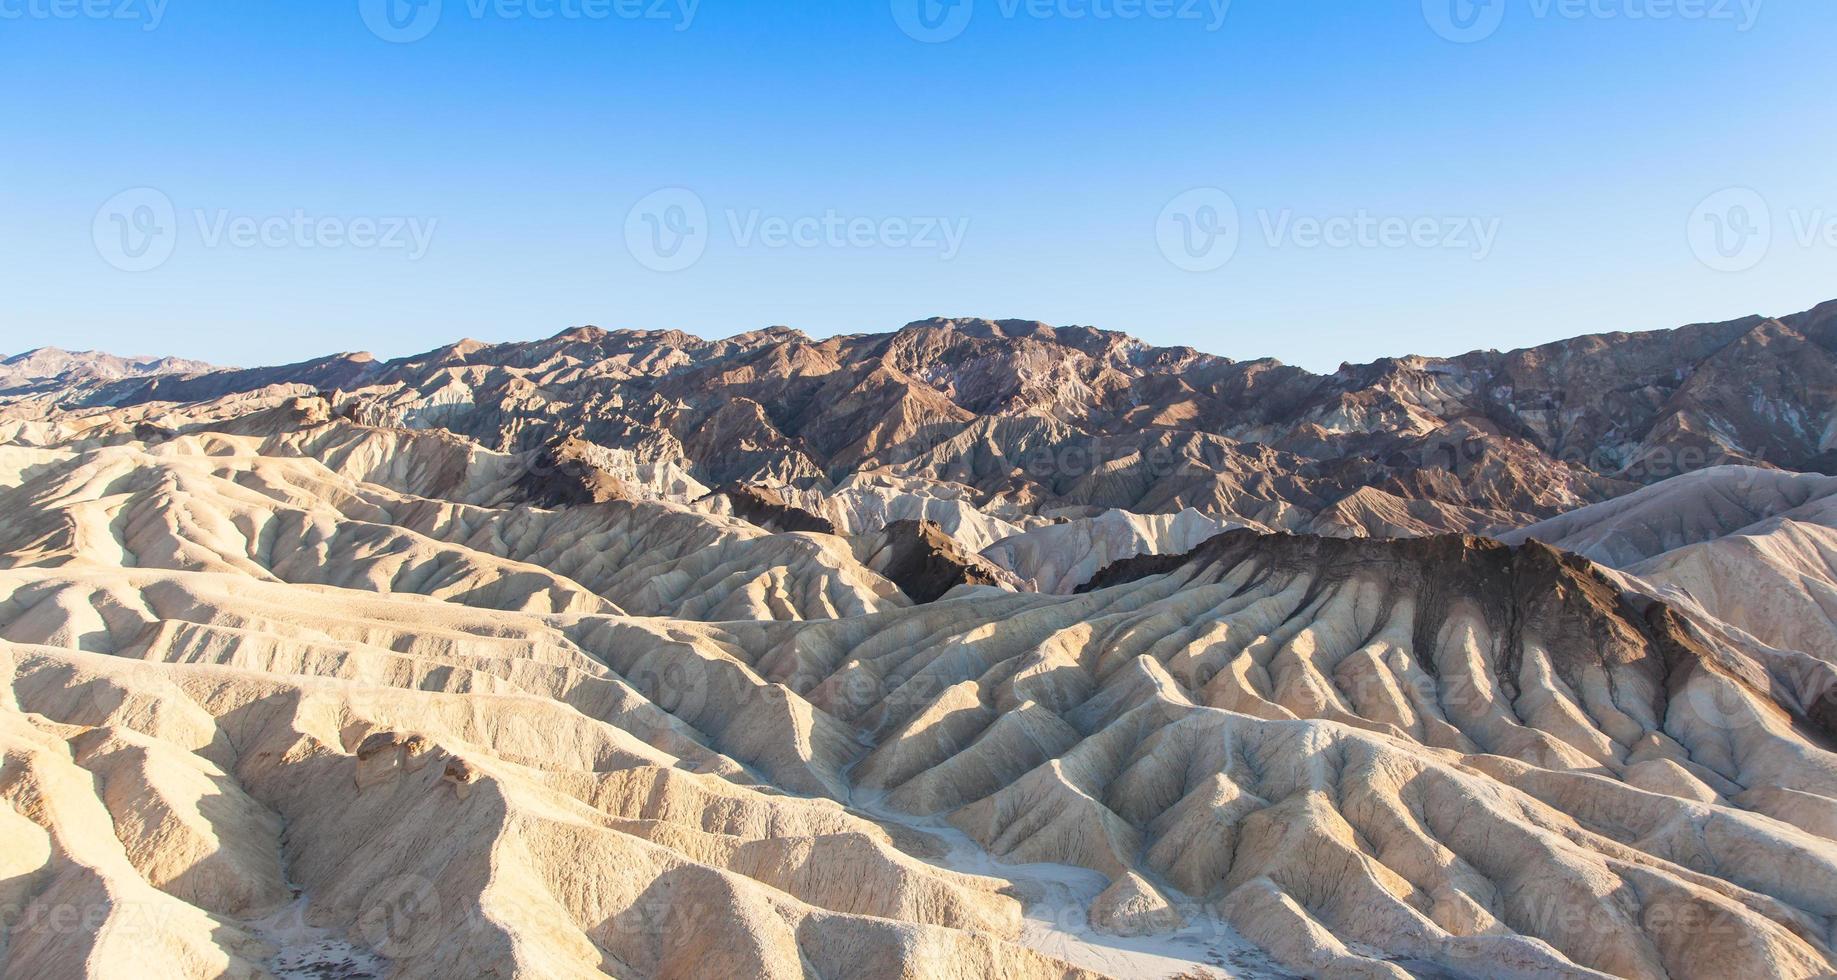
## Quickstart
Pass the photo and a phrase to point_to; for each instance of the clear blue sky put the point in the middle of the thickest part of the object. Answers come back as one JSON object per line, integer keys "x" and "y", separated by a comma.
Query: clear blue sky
{"x": 1054, "y": 144}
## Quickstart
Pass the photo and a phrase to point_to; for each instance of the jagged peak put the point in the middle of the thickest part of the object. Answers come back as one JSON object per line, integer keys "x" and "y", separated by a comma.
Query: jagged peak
{"x": 581, "y": 335}
{"x": 773, "y": 334}
{"x": 47, "y": 351}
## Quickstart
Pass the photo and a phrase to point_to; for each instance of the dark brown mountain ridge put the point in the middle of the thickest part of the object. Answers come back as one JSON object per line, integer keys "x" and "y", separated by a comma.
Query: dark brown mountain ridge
{"x": 1029, "y": 419}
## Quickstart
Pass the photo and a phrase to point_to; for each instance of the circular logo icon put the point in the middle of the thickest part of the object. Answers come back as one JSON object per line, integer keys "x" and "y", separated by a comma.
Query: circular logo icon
{"x": 1199, "y": 230}
{"x": 1464, "y": 21}
{"x": 933, "y": 21}
{"x": 1718, "y": 704}
{"x": 136, "y": 230}
{"x": 678, "y": 681}
{"x": 1732, "y": 230}
{"x": 400, "y": 21}
{"x": 397, "y": 916}
{"x": 668, "y": 231}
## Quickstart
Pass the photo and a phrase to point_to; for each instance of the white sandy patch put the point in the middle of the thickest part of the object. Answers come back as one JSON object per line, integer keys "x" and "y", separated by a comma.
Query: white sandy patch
{"x": 1056, "y": 922}
{"x": 310, "y": 953}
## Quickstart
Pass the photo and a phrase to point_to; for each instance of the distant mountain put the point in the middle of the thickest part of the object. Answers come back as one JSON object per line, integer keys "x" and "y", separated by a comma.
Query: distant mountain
{"x": 50, "y": 368}
{"x": 1020, "y": 421}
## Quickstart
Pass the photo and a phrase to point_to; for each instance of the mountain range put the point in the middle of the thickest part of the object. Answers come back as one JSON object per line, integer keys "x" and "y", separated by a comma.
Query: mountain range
{"x": 1023, "y": 421}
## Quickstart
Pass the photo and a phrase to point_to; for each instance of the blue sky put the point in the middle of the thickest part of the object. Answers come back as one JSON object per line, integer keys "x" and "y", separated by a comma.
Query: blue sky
{"x": 1315, "y": 180}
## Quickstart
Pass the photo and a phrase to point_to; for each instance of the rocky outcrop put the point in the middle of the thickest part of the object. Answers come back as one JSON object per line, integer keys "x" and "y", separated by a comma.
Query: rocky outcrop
{"x": 565, "y": 474}
{"x": 764, "y": 507}
{"x": 926, "y": 563}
